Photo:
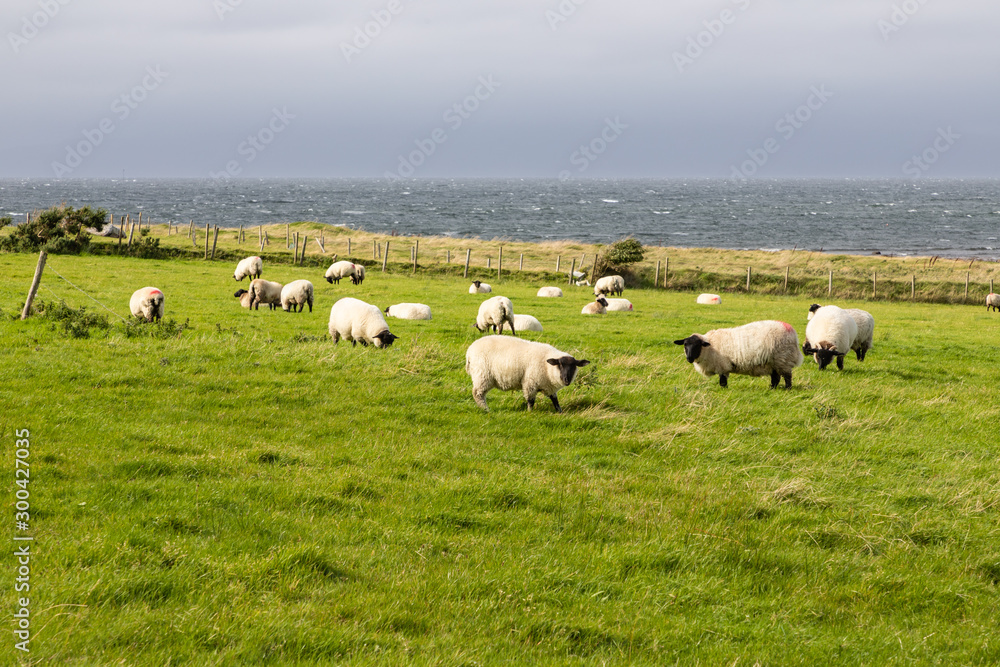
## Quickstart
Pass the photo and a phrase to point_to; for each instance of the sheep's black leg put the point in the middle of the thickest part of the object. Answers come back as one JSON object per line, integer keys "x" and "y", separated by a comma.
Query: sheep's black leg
{"x": 859, "y": 354}
{"x": 555, "y": 403}
{"x": 723, "y": 381}
{"x": 774, "y": 379}
{"x": 840, "y": 362}
{"x": 788, "y": 380}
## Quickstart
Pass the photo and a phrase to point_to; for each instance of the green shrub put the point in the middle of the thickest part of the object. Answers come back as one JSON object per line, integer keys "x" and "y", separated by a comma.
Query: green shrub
{"x": 59, "y": 230}
{"x": 74, "y": 322}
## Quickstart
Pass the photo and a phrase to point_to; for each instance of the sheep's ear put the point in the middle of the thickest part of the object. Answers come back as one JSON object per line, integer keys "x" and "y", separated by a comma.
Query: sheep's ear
{"x": 554, "y": 362}
{"x": 582, "y": 362}
{"x": 680, "y": 342}
{"x": 386, "y": 310}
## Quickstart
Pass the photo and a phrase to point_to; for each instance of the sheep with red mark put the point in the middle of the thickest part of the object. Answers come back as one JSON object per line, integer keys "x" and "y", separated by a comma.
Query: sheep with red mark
{"x": 147, "y": 303}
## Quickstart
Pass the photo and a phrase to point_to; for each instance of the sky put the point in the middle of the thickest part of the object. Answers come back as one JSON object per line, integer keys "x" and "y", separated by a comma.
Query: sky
{"x": 500, "y": 88}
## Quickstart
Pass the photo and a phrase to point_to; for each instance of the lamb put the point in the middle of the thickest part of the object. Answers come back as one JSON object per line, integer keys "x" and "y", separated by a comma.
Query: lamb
{"x": 251, "y": 266}
{"x": 709, "y": 299}
{"x": 359, "y": 322}
{"x": 511, "y": 364}
{"x": 992, "y": 301}
{"x": 359, "y": 274}
{"x": 609, "y": 285}
{"x": 147, "y": 303}
{"x": 598, "y": 306}
{"x": 619, "y": 305}
{"x": 549, "y": 291}
{"x": 479, "y": 287}
{"x": 297, "y": 293}
{"x": 766, "y": 347}
{"x": 409, "y": 311}
{"x": 266, "y": 292}
{"x": 493, "y": 313}
{"x": 831, "y": 332}
{"x": 341, "y": 269}
{"x": 527, "y": 323}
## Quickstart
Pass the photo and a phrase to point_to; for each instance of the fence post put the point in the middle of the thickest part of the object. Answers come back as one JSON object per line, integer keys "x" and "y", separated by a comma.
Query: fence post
{"x": 748, "y": 278}
{"x": 572, "y": 270}
{"x": 288, "y": 237}
{"x": 520, "y": 264}
{"x": 348, "y": 246}
{"x": 385, "y": 257}
{"x": 913, "y": 287}
{"x": 558, "y": 257}
{"x": 991, "y": 286}
{"x": 447, "y": 256}
{"x": 416, "y": 252}
{"x": 489, "y": 262}
{"x": 500, "y": 263}
{"x": 190, "y": 228}
{"x": 666, "y": 267}
{"x": 966, "y": 287}
{"x": 35, "y": 281}
{"x": 874, "y": 284}
{"x": 468, "y": 256}
{"x": 239, "y": 237}
{"x": 829, "y": 288}
{"x": 785, "y": 289}
{"x": 374, "y": 249}
{"x": 208, "y": 231}
{"x": 656, "y": 277}
{"x": 215, "y": 240}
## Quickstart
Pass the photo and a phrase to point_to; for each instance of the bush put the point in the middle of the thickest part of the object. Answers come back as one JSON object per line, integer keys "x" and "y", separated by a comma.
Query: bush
{"x": 75, "y": 323}
{"x": 5, "y": 221}
{"x": 60, "y": 230}
{"x": 617, "y": 257}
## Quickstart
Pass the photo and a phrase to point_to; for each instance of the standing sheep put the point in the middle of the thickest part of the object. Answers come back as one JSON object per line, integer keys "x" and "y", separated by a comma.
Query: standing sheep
{"x": 527, "y": 323}
{"x": 866, "y": 329}
{"x": 297, "y": 293}
{"x": 549, "y": 292}
{"x": 760, "y": 348}
{"x": 479, "y": 287}
{"x": 338, "y": 270}
{"x": 831, "y": 332}
{"x": 251, "y": 266}
{"x": 992, "y": 301}
{"x": 265, "y": 291}
{"x": 493, "y": 313}
{"x": 147, "y": 303}
{"x": 598, "y": 306}
{"x": 359, "y": 322}
{"x": 609, "y": 285}
{"x": 409, "y": 311}
{"x": 511, "y": 364}
{"x": 359, "y": 274}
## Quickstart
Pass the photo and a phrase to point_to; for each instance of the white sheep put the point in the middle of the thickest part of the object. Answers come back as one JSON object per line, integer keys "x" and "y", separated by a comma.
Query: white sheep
{"x": 479, "y": 287}
{"x": 409, "y": 311}
{"x": 992, "y": 301}
{"x": 511, "y": 364}
{"x": 527, "y": 323}
{"x": 619, "y": 305}
{"x": 359, "y": 322}
{"x": 609, "y": 285}
{"x": 549, "y": 292}
{"x": 866, "y": 329}
{"x": 267, "y": 292}
{"x": 709, "y": 299}
{"x": 831, "y": 332}
{"x": 338, "y": 270}
{"x": 493, "y": 313}
{"x": 766, "y": 347}
{"x": 251, "y": 266}
{"x": 359, "y": 274}
{"x": 147, "y": 303}
{"x": 297, "y": 293}
{"x": 598, "y": 306}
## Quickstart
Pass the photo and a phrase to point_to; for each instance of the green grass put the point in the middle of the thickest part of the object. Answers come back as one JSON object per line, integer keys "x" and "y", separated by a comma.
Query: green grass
{"x": 246, "y": 492}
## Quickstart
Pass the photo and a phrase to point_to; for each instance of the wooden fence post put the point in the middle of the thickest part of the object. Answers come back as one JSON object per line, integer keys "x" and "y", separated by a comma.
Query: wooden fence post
{"x": 348, "y": 246}
{"x": 656, "y": 276}
{"x": 829, "y": 287}
{"x": 785, "y": 289}
{"x": 991, "y": 286}
{"x": 416, "y": 251}
{"x": 913, "y": 286}
{"x": 468, "y": 256}
{"x": 215, "y": 240}
{"x": 190, "y": 228}
{"x": 35, "y": 281}
{"x": 447, "y": 256}
{"x": 131, "y": 229}
{"x": 385, "y": 257}
{"x": 207, "y": 236}
{"x": 489, "y": 262}
{"x": 260, "y": 235}
{"x": 500, "y": 263}
{"x": 874, "y": 284}
{"x": 572, "y": 270}
{"x": 374, "y": 249}
{"x": 666, "y": 268}
{"x": 305, "y": 246}
{"x": 558, "y": 257}
{"x": 520, "y": 264}
{"x": 748, "y": 278}
{"x": 966, "y": 287}
{"x": 288, "y": 237}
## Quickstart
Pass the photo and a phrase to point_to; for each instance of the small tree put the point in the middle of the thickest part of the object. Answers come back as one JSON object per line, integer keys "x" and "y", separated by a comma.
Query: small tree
{"x": 58, "y": 230}
{"x": 618, "y": 256}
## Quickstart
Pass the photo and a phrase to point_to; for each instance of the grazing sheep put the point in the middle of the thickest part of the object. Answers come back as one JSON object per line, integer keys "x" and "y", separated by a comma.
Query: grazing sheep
{"x": 266, "y": 292}
{"x": 511, "y": 364}
{"x": 359, "y": 274}
{"x": 251, "y": 266}
{"x": 609, "y": 285}
{"x": 598, "y": 306}
{"x": 760, "y": 348}
{"x": 359, "y": 322}
{"x": 549, "y": 291}
{"x": 527, "y": 323}
{"x": 297, "y": 293}
{"x": 147, "y": 303}
{"x": 709, "y": 299}
{"x": 479, "y": 287}
{"x": 992, "y": 301}
{"x": 831, "y": 332}
{"x": 409, "y": 311}
{"x": 244, "y": 297}
{"x": 619, "y": 305}
{"x": 338, "y": 270}
{"x": 493, "y": 313}
{"x": 866, "y": 329}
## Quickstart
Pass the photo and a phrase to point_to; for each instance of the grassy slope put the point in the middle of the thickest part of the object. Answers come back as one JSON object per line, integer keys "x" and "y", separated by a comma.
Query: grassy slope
{"x": 250, "y": 492}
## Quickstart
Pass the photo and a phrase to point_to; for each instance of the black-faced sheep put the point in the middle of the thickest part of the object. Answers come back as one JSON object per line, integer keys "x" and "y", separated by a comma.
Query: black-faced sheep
{"x": 479, "y": 287}
{"x": 147, "y": 303}
{"x": 297, "y": 293}
{"x": 251, "y": 266}
{"x": 831, "y": 332}
{"x": 598, "y": 306}
{"x": 609, "y": 285}
{"x": 493, "y": 313}
{"x": 760, "y": 348}
{"x": 359, "y": 322}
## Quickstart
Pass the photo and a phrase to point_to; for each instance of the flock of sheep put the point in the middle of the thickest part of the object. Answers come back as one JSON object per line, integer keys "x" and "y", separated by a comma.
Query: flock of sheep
{"x": 763, "y": 348}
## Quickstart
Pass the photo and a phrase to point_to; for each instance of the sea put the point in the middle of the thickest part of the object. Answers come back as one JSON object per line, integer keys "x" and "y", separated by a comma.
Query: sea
{"x": 948, "y": 218}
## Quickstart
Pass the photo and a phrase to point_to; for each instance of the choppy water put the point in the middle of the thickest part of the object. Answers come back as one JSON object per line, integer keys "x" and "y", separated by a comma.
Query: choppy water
{"x": 952, "y": 218}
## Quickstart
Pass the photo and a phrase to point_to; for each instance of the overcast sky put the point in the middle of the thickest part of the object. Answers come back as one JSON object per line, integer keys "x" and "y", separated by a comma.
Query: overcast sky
{"x": 534, "y": 88}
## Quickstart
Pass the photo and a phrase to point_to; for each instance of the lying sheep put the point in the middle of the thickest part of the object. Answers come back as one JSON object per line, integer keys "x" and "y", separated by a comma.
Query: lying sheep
{"x": 338, "y": 270}
{"x": 244, "y": 297}
{"x": 760, "y": 348}
{"x": 609, "y": 285}
{"x": 527, "y": 323}
{"x": 992, "y": 301}
{"x": 511, "y": 364}
{"x": 409, "y": 311}
{"x": 598, "y": 306}
{"x": 359, "y": 274}
{"x": 297, "y": 293}
{"x": 479, "y": 287}
{"x": 493, "y": 313}
{"x": 251, "y": 266}
{"x": 359, "y": 322}
{"x": 831, "y": 332}
{"x": 619, "y": 305}
{"x": 549, "y": 291}
{"x": 709, "y": 299}
{"x": 147, "y": 303}
{"x": 266, "y": 292}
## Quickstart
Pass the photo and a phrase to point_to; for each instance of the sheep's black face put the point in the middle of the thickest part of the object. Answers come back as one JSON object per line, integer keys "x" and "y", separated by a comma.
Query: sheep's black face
{"x": 567, "y": 367}
{"x": 386, "y": 338}
{"x": 824, "y": 355}
{"x": 812, "y": 310}
{"x": 239, "y": 293}
{"x": 329, "y": 280}
{"x": 692, "y": 346}
{"x": 601, "y": 300}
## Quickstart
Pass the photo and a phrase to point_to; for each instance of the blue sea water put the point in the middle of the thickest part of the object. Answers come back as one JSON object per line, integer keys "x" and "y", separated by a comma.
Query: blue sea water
{"x": 951, "y": 218}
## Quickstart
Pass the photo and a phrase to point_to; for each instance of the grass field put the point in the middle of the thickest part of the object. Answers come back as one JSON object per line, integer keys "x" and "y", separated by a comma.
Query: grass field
{"x": 245, "y": 492}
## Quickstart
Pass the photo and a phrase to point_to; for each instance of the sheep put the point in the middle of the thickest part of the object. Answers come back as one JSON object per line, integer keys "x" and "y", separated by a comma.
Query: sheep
{"x": 297, "y": 293}
{"x": 359, "y": 322}
{"x": 493, "y": 313}
{"x": 409, "y": 311}
{"x": 609, "y": 285}
{"x": 831, "y": 332}
{"x": 244, "y": 297}
{"x": 479, "y": 287}
{"x": 265, "y": 291}
{"x": 992, "y": 301}
{"x": 359, "y": 274}
{"x": 619, "y": 305}
{"x": 709, "y": 299}
{"x": 147, "y": 303}
{"x": 338, "y": 270}
{"x": 766, "y": 347}
{"x": 549, "y": 291}
{"x": 866, "y": 329}
{"x": 598, "y": 306}
{"x": 251, "y": 266}
{"x": 527, "y": 323}
{"x": 510, "y": 364}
